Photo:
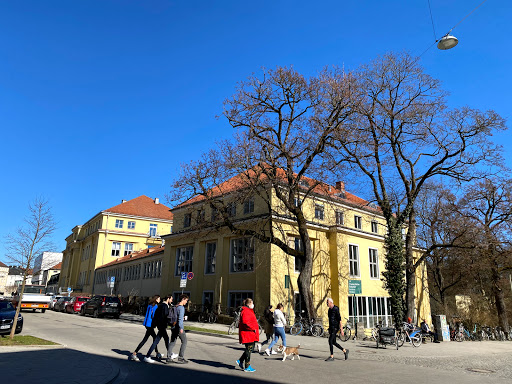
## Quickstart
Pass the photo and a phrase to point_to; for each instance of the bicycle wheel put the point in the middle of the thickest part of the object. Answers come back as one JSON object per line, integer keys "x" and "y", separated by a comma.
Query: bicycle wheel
{"x": 296, "y": 329}
{"x": 396, "y": 342}
{"x": 232, "y": 328}
{"x": 400, "y": 339}
{"x": 416, "y": 340}
{"x": 459, "y": 337}
{"x": 212, "y": 318}
{"x": 347, "y": 332}
{"x": 200, "y": 318}
{"x": 317, "y": 330}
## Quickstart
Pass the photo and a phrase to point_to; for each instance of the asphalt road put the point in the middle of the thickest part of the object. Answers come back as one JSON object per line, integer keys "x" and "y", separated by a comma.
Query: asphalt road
{"x": 212, "y": 358}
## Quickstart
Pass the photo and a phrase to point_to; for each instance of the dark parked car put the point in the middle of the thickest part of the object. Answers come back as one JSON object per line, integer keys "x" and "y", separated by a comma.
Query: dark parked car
{"x": 102, "y": 306}
{"x": 60, "y": 305}
{"x": 75, "y": 304}
{"x": 7, "y": 313}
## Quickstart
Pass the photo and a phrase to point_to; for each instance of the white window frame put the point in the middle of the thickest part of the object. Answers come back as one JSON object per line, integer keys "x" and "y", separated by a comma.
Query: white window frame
{"x": 119, "y": 223}
{"x": 131, "y": 225}
{"x": 128, "y": 248}
{"x": 153, "y": 230}
{"x": 374, "y": 264}
{"x": 375, "y": 227}
{"x": 354, "y": 262}
{"x": 187, "y": 260}
{"x": 341, "y": 216}
{"x": 245, "y": 259}
{"x": 116, "y": 249}
{"x": 249, "y": 206}
{"x": 358, "y": 222}
{"x": 320, "y": 210}
{"x": 208, "y": 258}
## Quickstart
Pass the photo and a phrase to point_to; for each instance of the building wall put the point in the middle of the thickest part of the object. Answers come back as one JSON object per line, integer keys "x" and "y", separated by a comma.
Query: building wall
{"x": 90, "y": 246}
{"x": 4, "y": 272}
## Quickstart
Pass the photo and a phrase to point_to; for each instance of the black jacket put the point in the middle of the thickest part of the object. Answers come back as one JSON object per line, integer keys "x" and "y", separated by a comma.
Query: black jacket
{"x": 160, "y": 317}
{"x": 334, "y": 318}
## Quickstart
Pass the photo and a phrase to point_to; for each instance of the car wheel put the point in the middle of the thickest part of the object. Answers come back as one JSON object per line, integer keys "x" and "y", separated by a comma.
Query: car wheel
{"x": 82, "y": 312}
{"x": 19, "y": 330}
{"x": 43, "y": 310}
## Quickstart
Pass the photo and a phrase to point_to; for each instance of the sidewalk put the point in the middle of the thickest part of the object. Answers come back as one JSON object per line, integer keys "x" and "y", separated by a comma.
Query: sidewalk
{"x": 41, "y": 364}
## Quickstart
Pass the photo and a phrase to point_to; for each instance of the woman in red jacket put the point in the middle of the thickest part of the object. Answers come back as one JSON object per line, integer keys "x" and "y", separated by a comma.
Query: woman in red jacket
{"x": 248, "y": 334}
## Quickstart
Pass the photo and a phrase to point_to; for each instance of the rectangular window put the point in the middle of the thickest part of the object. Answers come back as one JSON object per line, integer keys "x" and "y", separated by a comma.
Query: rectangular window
{"x": 249, "y": 206}
{"x": 375, "y": 227}
{"x": 187, "y": 220}
{"x": 353, "y": 259}
{"x": 116, "y": 248}
{"x": 211, "y": 250}
{"x": 370, "y": 311}
{"x": 131, "y": 225}
{"x": 297, "y": 202}
{"x": 200, "y": 216}
{"x": 128, "y": 248}
{"x": 319, "y": 212}
{"x": 236, "y": 299}
{"x": 374, "y": 263}
{"x": 231, "y": 209}
{"x": 298, "y": 303}
{"x": 340, "y": 220}
{"x": 215, "y": 214}
{"x": 208, "y": 300}
{"x": 119, "y": 223}
{"x": 152, "y": 230}
{"x": 242, "y": 254}
{"x": 184, "y": 257}
{"x": 176, "y": 296}
{"x": 298, "y": 246}
{"x": 358, "y": 222}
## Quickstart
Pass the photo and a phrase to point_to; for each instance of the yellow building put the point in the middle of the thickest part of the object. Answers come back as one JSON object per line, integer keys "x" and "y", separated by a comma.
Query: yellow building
{"x": 128, "y": 227}
{"x": 347, "y": 238}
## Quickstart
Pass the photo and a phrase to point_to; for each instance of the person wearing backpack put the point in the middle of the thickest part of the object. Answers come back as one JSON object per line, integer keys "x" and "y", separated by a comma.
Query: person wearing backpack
{"x": 148, "y": 320}
{"x": 268, "y": 326}
{"x": 160, "y": 322}
{"x": 178, "y": 330}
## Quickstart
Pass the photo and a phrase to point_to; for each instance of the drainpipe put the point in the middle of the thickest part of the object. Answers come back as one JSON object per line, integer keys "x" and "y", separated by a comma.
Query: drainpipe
{"x": 104, "y": 243}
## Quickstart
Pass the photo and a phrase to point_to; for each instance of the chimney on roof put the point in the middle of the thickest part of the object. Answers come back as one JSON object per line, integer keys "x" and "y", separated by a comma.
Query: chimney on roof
{"x": 157, "y": 200}
{"x": 123, "y": 201}
{"x": 340, "y": 185}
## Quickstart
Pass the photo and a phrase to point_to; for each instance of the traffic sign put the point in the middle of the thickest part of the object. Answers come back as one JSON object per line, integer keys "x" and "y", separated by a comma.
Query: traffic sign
{"x": 354, "y": 287}
{"x": 69, "y": 289}
{"x": 183, "y": 283}
{"x": 190, "y": 275}
{"x": 112, "y": 279}
{"x": 183, "y": 275}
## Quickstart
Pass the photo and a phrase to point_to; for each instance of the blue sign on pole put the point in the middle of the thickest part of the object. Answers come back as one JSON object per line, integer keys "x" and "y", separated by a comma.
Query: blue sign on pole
{"x": 69, "y": 289}
{"x": 112, "y": 279}
{"x": 183, "y": 275}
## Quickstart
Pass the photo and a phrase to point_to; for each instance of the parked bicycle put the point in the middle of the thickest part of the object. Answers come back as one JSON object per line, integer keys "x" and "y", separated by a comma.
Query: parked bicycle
{"x": 410, "y": 335}
{"x": 347, "y": 331}
{"x": 207, "y": 317}
{"x": 236, "y": 320}
{"x": 308, "y": 326}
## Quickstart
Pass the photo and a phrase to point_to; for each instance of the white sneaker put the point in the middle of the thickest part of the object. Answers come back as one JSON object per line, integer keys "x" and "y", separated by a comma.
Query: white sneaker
{"x": 274, "y": 352}
{"x": 148, "y": 360}
{"x": 259, "y": 348}
{"x": 267, "y": 351}
{"x": 133, "y": 357}
{"x": 174, "y": 356}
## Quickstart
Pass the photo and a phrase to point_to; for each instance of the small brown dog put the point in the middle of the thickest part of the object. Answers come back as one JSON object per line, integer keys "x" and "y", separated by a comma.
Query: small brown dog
{"x": 289, "y": 351}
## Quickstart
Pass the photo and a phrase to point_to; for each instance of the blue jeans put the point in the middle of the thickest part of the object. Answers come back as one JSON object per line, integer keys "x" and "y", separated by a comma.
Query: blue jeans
{"x": 278, "y": 333}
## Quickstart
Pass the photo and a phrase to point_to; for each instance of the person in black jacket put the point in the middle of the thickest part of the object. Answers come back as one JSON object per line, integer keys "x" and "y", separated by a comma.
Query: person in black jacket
{"x": 160, "y": 322}
{"x": 334, "y": 326}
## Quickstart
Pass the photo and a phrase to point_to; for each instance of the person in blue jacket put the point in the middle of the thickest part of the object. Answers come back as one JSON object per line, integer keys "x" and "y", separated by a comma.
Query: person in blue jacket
{"x": 148, "y": 320}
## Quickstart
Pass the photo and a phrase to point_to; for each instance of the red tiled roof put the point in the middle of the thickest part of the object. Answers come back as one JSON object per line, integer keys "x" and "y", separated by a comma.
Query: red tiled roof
{"x": 142, "y": 206}
{"x": 3, "y": 265}
{"x": 136, "y": 255}
{"x": 57, "y": 266}
{"x": 240, "y": 181}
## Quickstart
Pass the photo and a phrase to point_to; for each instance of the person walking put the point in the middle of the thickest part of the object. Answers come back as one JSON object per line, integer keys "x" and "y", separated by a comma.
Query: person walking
{"x": 148, "y": 323}
{"x": 160, "y": 322}
{"x": 179, "y": 331}
{"x": 248, "y": 334}
{"x": 268, "y": 326}
{"x": 279, "y": 324}
{"x": 334, "y": 326}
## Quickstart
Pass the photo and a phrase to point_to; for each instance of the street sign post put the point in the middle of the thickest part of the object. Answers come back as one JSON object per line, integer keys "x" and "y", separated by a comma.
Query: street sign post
{"x": 183, "y": 280}
{"x": 355, "y": 288}
{"x": 112, "y": 283}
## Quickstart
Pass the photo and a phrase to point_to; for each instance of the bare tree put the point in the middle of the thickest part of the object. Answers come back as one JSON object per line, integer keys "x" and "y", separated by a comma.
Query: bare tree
{"x": 27, "y": 241}
{"x": 284, "y": 123}
{"x": 402, "y": 136}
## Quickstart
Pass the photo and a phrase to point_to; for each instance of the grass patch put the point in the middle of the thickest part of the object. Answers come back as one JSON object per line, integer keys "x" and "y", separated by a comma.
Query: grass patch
{"x": 206, "y": 330}
{"x": 23, "y": 340}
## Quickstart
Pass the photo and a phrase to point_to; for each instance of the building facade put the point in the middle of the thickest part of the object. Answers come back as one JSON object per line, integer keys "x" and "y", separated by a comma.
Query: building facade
{"x": 42, "y": 264}
{"x": 4, "y": 272}
{"x": 129, "y": 227}
{"x": 137, "y": 274}
{"x": 347, "y": 238}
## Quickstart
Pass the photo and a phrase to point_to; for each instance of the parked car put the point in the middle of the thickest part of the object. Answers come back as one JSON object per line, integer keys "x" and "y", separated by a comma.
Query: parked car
{"x": 102, "y": 306}
{"x": 60, "y": 305}
{"x": 54, "y": 300}
{"x": 74, "y": 305}
{"x": 7, "y": 313}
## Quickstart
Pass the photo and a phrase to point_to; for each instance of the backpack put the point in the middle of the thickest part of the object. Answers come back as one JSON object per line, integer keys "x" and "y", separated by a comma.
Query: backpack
{"x": 268, "y": 315}
{"x": 172, "y": 318}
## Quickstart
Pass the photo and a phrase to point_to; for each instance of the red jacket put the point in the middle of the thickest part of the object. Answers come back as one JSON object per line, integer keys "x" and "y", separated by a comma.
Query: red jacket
{"x": 249, "y": 330}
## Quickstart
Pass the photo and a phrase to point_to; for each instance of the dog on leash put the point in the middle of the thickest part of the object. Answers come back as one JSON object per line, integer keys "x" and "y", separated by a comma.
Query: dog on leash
{"x": 289, "y": 351}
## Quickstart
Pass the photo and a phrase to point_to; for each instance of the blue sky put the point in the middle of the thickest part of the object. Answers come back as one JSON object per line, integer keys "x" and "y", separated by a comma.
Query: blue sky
{"x": 101, "y": 100}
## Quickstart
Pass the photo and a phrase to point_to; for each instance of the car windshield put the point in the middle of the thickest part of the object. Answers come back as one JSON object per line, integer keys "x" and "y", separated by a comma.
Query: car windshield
{"x": 34, "y": 289}
{"x": 5, "y": 306}
{"x": 109, "y": 299}
{"x": 82, "y": 299}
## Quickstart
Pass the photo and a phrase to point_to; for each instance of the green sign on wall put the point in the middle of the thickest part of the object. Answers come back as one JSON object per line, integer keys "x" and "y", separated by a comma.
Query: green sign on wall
{"x": 354, "y": 287}
{"x": 287, "y": 281}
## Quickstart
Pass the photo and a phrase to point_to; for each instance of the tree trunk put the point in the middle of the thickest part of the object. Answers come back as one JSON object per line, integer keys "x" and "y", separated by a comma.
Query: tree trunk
{"x": 18, "y": 307}
{"x": 304, "y": 280}
{"x": 410, "y": 270}
{"x": 499, "y": 297}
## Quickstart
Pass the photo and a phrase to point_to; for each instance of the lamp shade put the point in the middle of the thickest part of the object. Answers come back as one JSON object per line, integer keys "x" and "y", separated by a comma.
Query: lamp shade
{"x": 447, "y": 42}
